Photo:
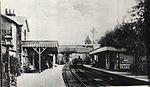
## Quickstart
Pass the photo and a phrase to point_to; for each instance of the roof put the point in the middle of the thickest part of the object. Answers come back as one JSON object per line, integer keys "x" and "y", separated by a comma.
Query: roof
{"x": 75, "y": 48}
{"x": 83, "y": 50}
{"x": 20, "y": 20}
{"x": 71, "y": 46}
{"x": 103, "y": 49}
{"x": 4, "y": 16}
{"x": 39, "y": 43}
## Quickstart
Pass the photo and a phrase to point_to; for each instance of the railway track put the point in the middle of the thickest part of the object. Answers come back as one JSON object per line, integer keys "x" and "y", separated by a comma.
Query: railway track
{"x": 71, "y": 79}
{"x": 80, "y": 78}
{"x": 87, "y": 80}
{"x": 86, "y": 77}
{"x": 91, "y": 79}
{"x": 95, "y": 78}
{"x": 109, "y": 79}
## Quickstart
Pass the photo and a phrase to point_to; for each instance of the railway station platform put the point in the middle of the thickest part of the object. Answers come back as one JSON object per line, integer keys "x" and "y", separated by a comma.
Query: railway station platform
{"x": 48, "y": 78}
{"x": 125, "y": 74}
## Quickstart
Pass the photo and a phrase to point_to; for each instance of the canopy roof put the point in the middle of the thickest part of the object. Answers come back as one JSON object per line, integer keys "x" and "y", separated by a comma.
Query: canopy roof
{"x": 40, "y": 43}
{"x": 103, "y": 49}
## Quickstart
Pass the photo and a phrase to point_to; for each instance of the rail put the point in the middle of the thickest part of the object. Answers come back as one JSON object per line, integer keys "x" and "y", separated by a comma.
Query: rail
{"x": 78, "y": 78}
{"x": 68, "y": 73}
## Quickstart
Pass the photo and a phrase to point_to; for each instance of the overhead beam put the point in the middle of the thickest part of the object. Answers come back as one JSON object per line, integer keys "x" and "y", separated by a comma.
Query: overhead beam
{"x": 43, "y": 49}
{"x": 39, "y": 51}
{"x": 35, "y": 48}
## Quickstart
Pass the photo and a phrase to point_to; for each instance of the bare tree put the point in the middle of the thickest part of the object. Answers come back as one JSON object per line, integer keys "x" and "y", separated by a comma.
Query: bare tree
{"x": 93, "y": 31}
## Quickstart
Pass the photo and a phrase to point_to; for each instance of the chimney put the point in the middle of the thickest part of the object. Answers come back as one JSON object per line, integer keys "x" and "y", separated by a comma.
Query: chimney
{"x": 10, "y": 12}
{"x": 13, "y": 11}
{"x": 6, "y": 12}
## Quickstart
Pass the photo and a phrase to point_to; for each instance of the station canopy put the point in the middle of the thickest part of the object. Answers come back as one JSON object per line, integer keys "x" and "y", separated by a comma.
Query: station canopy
{"x": 39, "y": 43}
{"x": 103, "y": 49}
{"x": 50, "y": 45}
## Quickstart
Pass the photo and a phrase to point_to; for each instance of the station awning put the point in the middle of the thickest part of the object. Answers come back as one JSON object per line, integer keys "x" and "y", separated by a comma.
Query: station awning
{"x": 102, "y": 49}
{"x": 41, "y": 47}
{"x": 39, "y": 43}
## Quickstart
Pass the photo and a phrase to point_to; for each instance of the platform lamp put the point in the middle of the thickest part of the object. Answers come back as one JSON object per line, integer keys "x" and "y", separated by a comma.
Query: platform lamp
{"x": 8, "y": 44}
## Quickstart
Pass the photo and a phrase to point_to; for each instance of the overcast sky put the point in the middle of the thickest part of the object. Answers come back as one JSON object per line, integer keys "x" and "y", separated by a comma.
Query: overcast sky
{"x": 69, "y": 21}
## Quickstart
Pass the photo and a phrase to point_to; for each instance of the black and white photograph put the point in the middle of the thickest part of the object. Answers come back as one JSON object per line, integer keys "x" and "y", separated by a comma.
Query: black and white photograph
{"x": 74, "y": 43}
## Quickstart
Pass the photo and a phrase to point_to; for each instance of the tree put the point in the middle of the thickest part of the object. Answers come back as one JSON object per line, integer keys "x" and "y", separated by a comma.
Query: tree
{"x": 131, "y": 35}
{"x": 147, "y": 23}
{"x": 87, "y": 40}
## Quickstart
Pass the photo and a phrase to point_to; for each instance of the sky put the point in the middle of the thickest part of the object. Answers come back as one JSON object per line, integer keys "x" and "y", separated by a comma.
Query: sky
{"x": 69, "y": 21}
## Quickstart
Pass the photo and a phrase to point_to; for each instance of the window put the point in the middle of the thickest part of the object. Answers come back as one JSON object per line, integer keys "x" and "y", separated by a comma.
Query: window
{"x": 25, "y": 35}
{"x": 9, "y": 31}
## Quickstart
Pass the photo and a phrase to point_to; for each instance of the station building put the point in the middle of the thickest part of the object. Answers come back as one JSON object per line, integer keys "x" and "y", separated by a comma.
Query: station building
{"x": 112, "y": 58}
{"x": 17, "y": 28}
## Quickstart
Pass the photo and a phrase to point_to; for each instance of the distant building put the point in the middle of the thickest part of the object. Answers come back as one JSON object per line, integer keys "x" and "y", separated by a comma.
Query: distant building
{"x": 74, "y": 51}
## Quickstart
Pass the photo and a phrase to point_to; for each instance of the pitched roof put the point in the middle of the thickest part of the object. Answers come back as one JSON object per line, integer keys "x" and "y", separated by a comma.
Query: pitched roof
{"x": 4, "y": 16}
{"x": 74, "y": 48}
{"x": 83, "y": 50}
{"x": 71, "y": 46}
{"x": 39, "y": 43}
{"x": 20, "y": 20}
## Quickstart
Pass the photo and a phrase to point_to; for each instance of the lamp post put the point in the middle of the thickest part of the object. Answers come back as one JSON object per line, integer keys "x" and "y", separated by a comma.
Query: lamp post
{"x": 1, "y": 67}
{"x": 7, "y": 44}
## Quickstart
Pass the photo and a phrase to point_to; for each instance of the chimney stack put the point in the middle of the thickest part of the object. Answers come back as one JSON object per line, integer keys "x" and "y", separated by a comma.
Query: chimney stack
{"x": 6, "y": 11}
{"x": 13, "y": 11}
{"x": 10, "y": 12}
